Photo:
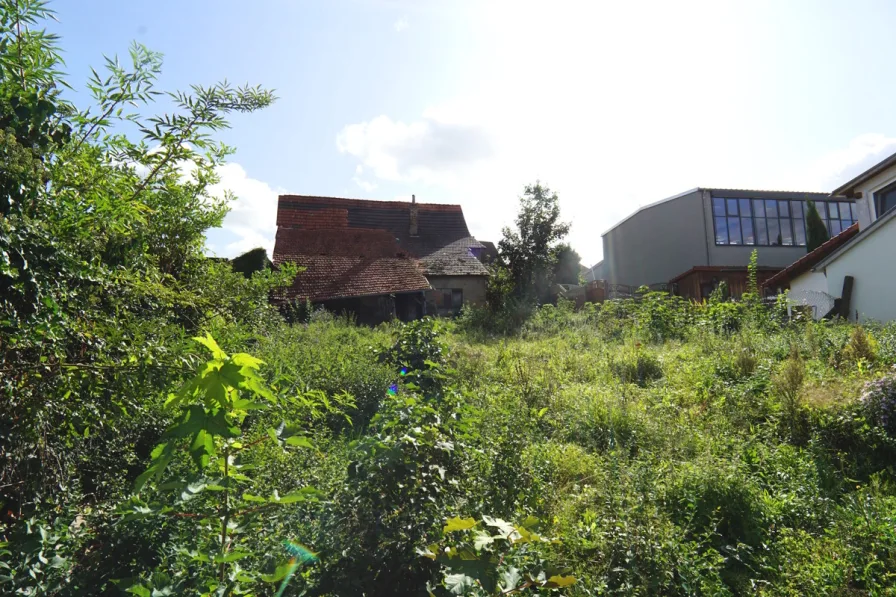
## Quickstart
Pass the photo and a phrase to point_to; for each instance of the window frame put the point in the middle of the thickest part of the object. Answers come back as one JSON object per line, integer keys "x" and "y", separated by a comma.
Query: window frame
{"x": 890, "y": 188}
{"x": 761, "y": 213}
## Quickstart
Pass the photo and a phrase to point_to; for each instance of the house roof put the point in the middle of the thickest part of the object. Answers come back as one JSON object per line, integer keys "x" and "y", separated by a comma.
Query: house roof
{"x": 720, "y": 268}
{"x": 346, "y": 263}
{"x": 729, "y": 194}
{"x": 443, "y": 243}
{"x": 849, "y": 188}
{"x": 489, "y": 251}
{"x": 876, "y": 225}
{"x": 810, "y": 259}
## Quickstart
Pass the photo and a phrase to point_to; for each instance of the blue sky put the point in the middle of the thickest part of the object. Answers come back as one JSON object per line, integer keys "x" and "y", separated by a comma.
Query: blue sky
{"x": 612, "y": 104}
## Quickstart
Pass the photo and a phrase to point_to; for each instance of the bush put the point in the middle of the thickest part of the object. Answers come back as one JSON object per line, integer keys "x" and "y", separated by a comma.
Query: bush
{"x": 637, "y": 366}
{"x": 879, "y": 403}
{"x": 860, "y": 350}
{"x": 787, "y": 384}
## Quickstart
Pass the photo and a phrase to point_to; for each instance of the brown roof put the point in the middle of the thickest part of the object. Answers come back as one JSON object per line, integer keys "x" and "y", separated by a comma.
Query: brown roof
{"x": 346, "y": 263}
{"x": 809, "y": 260}
{"x": 443, "y": 243}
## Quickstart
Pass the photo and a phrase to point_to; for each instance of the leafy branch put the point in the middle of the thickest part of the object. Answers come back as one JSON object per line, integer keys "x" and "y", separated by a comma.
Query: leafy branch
{"x": 493, "y": 557}
{"x": 205, "y": 110}
{"x": 213, "y": 406}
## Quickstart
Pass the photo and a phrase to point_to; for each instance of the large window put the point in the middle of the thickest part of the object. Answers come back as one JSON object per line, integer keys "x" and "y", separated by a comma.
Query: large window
{"x": 775, "y": 222}
{"x": 885, "y": 199}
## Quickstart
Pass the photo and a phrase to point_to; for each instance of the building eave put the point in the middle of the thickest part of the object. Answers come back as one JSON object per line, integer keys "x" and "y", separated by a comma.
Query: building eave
{"x": 848, "y": 189}
{"x": 861, "y": 236}
{"x": 731, "y": 194}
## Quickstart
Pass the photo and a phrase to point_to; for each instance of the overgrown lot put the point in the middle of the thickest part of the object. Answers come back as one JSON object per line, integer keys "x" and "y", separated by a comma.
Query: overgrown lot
{"x": 165, "y": 431}
{"x": 663, "y": 447}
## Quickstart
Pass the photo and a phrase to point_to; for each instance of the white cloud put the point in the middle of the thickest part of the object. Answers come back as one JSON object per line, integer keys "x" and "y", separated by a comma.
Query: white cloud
{"x": 253, "y": 213}
{"x": 830, "y": 170}
{"x": 401, "y": 24}
{"x": 432, "y": 150}
{"x": 364, "y": 184}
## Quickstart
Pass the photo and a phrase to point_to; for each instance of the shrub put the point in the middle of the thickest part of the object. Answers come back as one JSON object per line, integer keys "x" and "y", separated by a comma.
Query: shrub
{"x": 787, "y": 384}
{"x": 860, "y": 350}
{"x": 879, "y": 403}
{"x": 721, "y": 316}
{"x": 614, "y": 318}
{"x": 725, "y": 506}
{"x": 637, "y": 366}
{"x": 661, "y": 316}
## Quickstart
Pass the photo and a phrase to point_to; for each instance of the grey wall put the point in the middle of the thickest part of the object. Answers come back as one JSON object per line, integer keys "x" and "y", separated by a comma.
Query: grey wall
{"x": 472, "y": 286}
{"x": 656, "y": 244}
{"x": 740, "y": 255}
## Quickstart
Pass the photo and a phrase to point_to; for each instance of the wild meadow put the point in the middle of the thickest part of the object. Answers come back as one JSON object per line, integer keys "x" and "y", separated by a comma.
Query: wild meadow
{"x": 637, "y": 447}
{"x": 165, "y": 430}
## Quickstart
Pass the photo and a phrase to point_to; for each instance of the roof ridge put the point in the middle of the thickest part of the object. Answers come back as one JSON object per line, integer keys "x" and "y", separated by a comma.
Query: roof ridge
{"x": 316, "y": 199}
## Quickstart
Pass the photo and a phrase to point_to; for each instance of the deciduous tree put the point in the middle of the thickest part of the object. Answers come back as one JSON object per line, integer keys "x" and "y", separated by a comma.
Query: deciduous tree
{"x": 529, "y": 250}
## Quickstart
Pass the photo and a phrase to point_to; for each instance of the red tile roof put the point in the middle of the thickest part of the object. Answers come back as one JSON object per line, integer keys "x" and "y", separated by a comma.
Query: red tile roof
{"x": 809, "y": 260}
{"x": 326, "y": 277}
{"x": 346, "y": 263}
{"x": 443, "y": 244}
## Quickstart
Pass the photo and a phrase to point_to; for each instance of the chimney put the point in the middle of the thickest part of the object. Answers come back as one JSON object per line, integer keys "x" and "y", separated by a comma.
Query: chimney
{"x": 413, "y": 230}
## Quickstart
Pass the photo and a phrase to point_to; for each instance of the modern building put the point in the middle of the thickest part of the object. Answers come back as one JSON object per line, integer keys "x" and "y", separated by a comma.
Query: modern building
{"x": 858, "y": 272}
{"x": 715, "y": 228}
{"x": 379, "y": 259}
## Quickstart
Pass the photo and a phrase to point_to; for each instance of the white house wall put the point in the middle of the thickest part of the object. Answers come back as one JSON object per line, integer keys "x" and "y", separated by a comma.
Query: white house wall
{"x": 811, "y": 289}
{"x": 868, "y": 188}
{"x": 872, "y": 263}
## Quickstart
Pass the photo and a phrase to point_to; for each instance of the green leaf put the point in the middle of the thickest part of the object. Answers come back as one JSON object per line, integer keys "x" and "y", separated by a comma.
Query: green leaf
{"x": 511, "y": 579}
{"x": 280, "y": 572}
{"x": 459, "y": 584}
{"x": 458, "y": 524}
{"x": 481, "y": 540}
{"x": 162, "y": 455}
{"x": 560, "y": 581}
{"x": 231, "y": 557}
{"x": 253, "y": 498}
{"x": 300, "y": 441}
{"x": 215, "y": 386}
{"x": 504, "y": 528}
{"x": 246, "y": 360}
{"x": 302, "y": 495}
{"x": 210, "y": 343}
{"x": 202, "y": 448}
{"x": 139, "y": 590}
{"x": 245, "y": 404}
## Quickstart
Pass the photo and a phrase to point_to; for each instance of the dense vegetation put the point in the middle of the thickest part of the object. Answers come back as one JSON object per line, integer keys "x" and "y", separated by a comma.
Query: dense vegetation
{"x": 164, "y": 431}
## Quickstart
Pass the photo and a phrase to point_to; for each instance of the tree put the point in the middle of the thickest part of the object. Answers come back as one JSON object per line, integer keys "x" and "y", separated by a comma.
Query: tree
{"x": 816, "y": 231}
{"x": 103, "y": 214}
{"x": 528, "y": 251}
{"x": 567, "y": 266}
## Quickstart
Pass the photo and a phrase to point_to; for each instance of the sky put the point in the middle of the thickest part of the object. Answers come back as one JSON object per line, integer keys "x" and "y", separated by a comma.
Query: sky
{"x": 613, "y": 105}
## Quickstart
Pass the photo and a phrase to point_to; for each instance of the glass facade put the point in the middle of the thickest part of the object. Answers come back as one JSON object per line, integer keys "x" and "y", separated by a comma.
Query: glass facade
{"x": 774, "y": 222}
